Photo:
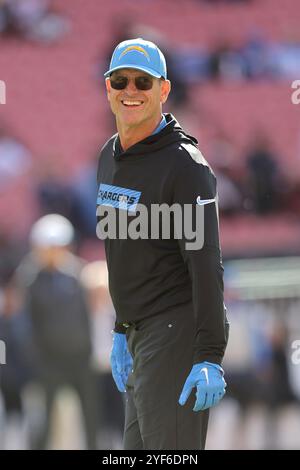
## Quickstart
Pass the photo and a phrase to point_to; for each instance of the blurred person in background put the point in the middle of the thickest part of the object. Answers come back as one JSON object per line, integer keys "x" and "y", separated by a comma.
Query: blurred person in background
{"x": 85, "y": 191}
{"x": 221, "y": 155}
{"x": 17, "y": 371}
{"x": 276, "y": 379}
{"x": 15, "y": 157}
{"x": 31, "y": 19}
{"x": 259, "y": 375}
{"x": 11, "y": 253}
{"x": 264, "y": 175}
{"x": 57, "y": 306}
{"x": 54, "y": 194}
{"x": 110, "y": 404}
{"x": 72, "y": 199}
{"x": 225, "y": 62}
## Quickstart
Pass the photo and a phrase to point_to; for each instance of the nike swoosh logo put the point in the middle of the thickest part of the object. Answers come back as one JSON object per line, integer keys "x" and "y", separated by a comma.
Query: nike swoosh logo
{"x": 204, "y": 369}
{"x": 202, "y": 202}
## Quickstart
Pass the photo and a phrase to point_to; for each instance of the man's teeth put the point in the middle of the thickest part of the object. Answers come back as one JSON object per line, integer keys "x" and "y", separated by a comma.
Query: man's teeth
{"x": 132, "y": 103}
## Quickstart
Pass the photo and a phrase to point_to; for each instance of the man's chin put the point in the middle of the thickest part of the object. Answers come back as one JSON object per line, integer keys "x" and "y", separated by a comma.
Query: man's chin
{"x": 132, "y": 121}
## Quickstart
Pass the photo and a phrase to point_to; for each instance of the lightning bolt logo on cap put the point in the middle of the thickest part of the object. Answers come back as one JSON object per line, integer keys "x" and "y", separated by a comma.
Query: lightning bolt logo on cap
{"x": 135, "y": 48}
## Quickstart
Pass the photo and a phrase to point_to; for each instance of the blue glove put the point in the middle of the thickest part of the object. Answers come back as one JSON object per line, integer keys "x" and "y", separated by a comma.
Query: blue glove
{"x": 208, "y": 378}
{"x": 120, "y": 361}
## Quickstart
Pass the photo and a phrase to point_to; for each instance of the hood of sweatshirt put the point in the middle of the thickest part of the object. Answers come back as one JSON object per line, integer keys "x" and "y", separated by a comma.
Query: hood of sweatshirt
{"x": 171, "y": 133}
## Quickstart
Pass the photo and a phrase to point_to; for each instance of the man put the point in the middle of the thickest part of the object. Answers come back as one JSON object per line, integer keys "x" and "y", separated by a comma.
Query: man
{"x": 59, "y": 316}
{"x": 171, "y": 329}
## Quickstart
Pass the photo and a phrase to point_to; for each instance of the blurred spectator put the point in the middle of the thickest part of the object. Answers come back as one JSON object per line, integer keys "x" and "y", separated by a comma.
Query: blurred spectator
{"x": 15, "y": 158}
{"x": 258, "y": 370}
{"x": 59, "y": 315}
{"x": 31, "y": 19}
{"x": 56, "y": 195}
{"x": 221, "y": 156}
{"x": 225, "y": 62}
{"x": 277, "y": 382}
{"x": 264, "y": 175}
{"x": 256, "y": 56}
{"x": 110, "y": 404}
{"x": 16, "y": 373}
{"x": 11, "y": 253}
{"x": 285, "y": 57}
{"x": 85, "y": 190}
{"x": 280, "y": 392}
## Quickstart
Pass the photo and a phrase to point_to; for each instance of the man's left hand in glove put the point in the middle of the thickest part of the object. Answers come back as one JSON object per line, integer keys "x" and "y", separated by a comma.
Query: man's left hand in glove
{"x": 209, "y": 382}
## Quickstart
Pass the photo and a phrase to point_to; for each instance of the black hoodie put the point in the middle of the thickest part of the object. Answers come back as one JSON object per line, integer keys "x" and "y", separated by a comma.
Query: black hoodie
{"x": 148, "y": 277}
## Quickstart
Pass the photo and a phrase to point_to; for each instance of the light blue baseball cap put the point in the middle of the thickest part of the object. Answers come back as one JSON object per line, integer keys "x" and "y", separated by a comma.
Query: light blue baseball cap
{"x": 140, "y": 55}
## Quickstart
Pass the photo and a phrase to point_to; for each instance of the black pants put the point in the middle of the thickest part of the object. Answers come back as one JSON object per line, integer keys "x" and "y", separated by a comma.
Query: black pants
{"x": 162, "y": 350}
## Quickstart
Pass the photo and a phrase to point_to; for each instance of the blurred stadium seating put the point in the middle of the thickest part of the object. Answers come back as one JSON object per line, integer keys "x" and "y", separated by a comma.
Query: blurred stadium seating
{"x": 56, "y": 102}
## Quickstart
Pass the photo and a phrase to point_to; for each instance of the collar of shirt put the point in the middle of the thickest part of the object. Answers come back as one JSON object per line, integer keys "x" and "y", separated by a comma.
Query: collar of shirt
{"x": 160, "y": 126}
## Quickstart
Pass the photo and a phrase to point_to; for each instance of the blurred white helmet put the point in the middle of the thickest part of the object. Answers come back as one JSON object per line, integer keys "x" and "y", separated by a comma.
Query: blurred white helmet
{"x": 52, "y": 230}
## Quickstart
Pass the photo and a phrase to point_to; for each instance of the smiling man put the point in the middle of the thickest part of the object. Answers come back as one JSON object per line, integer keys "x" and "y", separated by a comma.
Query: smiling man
{"x": 171, "y": 329}
{"x": 134, "y": 97}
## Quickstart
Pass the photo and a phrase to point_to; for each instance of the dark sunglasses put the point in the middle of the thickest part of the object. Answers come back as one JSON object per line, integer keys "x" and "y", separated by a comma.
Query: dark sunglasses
{"x": 141, "y": 83}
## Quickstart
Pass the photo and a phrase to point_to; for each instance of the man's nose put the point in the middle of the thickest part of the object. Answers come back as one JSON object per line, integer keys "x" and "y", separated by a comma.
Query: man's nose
{"x": 131, "y": 88}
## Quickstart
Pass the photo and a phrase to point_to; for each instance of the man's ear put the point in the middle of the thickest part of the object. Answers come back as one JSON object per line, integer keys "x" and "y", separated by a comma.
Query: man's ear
{"x": 165, "y": 90}
{"x": 108, "y": 88}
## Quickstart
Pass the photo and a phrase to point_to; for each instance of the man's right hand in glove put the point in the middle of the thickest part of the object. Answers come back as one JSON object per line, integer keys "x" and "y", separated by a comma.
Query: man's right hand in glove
{"x": 120, "y": 361}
